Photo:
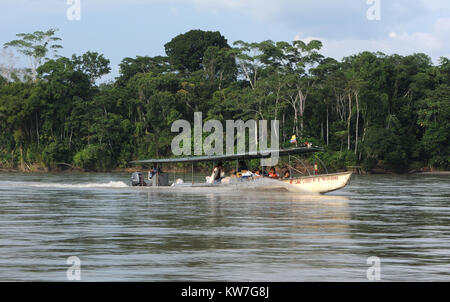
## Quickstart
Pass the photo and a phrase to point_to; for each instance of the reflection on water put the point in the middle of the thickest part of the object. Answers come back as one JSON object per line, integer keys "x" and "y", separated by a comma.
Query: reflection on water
{"x": 204, "y": 234}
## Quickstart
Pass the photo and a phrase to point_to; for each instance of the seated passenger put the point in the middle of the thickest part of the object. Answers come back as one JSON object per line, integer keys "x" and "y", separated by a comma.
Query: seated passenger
{"x": 218, "y": 174}
{"x": 257, "y": 173}
{"x": 229, "y": 179}
{"x": 287, "y": 175}
{"x": 273, "y": 173}
{"x": 242, "y": 167}
{"x": 233, "y": 174}
{"x": 246, "y": 174}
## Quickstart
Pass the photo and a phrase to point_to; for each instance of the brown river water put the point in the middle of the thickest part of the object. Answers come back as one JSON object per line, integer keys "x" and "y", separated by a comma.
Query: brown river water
{"x": 121, "y": 233}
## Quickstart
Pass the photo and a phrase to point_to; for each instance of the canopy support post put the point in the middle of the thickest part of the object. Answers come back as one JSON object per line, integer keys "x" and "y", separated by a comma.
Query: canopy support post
{"x": 157, "y": 175}
{"x": 290, "y": 167}
{"x": 323, "y": 164}
{"x": 174, "y": 175}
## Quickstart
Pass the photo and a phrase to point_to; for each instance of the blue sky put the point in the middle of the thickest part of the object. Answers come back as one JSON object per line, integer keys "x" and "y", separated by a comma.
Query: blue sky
{"x": 120, "y": 29}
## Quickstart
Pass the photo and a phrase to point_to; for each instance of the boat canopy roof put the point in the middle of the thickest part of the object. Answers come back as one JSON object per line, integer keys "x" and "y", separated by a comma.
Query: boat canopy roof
{"x": 239, "y": 156}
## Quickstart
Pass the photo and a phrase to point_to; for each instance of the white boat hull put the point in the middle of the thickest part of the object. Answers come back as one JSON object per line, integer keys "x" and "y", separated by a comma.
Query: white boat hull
{"x": 308, "y": 184}
{"x": 320, "y": 183}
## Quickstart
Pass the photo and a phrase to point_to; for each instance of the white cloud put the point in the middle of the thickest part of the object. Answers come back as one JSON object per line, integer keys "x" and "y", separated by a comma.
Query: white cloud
{"x": 438, "y": 5}
{"x": 392, "y": 35}
{"x": 222, "y": 3}
{"x": 9, "y": 7}
{"x": 405, "y": 27}
{"x": 174, "y": 11}
{"x": 261, "y": 9}
{"x": 336, "y": 19}
{"x": 443, "y": 25}
{"x": 434, "y": 43}
{"x": 58, "y": 6}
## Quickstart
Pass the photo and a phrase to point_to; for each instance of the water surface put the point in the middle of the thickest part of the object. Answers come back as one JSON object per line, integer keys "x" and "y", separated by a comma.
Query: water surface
{"x": 138, "y": 234}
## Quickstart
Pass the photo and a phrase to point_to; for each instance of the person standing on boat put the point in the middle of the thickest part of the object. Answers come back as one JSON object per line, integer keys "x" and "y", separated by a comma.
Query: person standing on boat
{"x": 152, "y": 173}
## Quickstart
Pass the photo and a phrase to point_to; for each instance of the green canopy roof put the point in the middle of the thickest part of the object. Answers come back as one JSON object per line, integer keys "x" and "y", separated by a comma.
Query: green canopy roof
{"x": 239, "y": 156}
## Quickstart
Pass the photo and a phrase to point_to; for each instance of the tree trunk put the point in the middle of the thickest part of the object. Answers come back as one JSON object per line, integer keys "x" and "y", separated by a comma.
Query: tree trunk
{"x": 364, "y": 135}
{"x": 328, "y": 129}
{"x": 357, "y": 122}
{"x": 302, "y": 104}
{"x": 321, "y": 130}
{"x": 37, "y": 129}
{"x": 70, "y": 138}
{"x": 295, "y": 122}
{"x": 220, "y": 80}
{"x": 349, "y": 120}
{"x": 277, "y": 99}
{"x": 22, "y": 161}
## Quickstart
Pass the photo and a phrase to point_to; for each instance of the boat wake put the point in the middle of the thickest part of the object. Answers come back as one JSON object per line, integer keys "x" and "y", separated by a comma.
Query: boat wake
{"x": 111, "y": 184}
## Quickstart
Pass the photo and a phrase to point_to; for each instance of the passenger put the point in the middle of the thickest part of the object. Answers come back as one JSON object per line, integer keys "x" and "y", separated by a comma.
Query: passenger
{"x": 287, "y": 175}
{"x": 242, "y": 167}
{"x": 273, "y": 174}
{"x": 246, "y": 175}
{"x": 257, "y": 173}
{"x": 218, "y": 173}
{"x": 153, "y": 171}
{"x": 229, "y": 179}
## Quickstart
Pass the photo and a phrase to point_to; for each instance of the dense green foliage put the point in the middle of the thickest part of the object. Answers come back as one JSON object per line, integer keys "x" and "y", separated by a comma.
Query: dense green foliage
{"x": 186, "y": 51}
{"x": 370, "y": 109}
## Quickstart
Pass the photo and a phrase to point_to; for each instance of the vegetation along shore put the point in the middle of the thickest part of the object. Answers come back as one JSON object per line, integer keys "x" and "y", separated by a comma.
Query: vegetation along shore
{"x": 379, "y": 112}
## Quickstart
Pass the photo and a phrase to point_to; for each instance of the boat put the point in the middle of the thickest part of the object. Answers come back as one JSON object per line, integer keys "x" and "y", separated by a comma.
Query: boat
{"x": 311, "y": 183}
{"x": 321, "y": 183}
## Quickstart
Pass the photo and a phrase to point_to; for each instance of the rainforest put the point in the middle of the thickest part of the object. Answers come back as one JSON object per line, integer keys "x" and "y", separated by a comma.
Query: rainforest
{"x": 377, "y": 111}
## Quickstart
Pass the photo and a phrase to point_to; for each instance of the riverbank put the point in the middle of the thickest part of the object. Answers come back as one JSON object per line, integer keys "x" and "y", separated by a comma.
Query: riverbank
{"x": 434, "y": 173}
{"x": 65, "y": 169}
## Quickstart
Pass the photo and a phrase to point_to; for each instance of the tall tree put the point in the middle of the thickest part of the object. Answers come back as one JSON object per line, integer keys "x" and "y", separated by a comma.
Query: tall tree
{"x": 92, "y": 64}
{"x": 434, "y": 118}
{"x": 186, "y": 51}
{"x": 142, "y": 64}
{"x": 220, "y": 64}
{"x": 36, "y": 46}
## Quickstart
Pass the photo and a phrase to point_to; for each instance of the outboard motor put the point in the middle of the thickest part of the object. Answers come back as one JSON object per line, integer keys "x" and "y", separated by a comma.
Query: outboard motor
{"x": 137, "y": 180}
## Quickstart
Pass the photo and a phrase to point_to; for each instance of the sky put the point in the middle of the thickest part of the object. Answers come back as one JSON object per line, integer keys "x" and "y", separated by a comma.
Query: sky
{"x": 129, "y": 28}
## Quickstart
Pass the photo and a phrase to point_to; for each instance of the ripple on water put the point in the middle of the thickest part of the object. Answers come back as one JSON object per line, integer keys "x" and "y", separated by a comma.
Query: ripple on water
{"x": 138, "y": 234}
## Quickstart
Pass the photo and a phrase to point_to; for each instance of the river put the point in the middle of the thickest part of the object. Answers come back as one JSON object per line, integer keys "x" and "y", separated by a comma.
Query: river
{"x": 120, "y": 233}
